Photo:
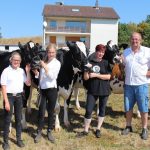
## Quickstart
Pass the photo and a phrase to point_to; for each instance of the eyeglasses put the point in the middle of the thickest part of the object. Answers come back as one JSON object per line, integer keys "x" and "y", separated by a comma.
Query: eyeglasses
{"x": 16, "y": 60}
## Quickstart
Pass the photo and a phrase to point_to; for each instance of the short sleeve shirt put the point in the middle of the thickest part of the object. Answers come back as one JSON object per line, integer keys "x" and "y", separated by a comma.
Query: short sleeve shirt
{"x": 13, "y": 79}
{"x": 136, "y": 66}
{"x": 97, "y": 86}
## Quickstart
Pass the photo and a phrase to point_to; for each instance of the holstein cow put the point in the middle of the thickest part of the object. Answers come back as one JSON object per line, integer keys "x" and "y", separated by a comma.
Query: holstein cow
{"x": 112, "y": 53}
{"x": 72, "y": 62}
{"x": 117, "y": 77}
{"x": 35, "y": 65}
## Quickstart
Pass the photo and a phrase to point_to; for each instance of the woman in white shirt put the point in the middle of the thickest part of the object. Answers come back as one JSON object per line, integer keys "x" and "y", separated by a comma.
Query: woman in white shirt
{"x": 12, "y": 81}
{"x": 48, "y": 87}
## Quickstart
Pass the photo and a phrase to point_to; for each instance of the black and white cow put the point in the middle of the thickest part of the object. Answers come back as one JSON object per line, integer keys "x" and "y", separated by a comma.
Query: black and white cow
{"x": 111, "y": 54}
{"x": 72, "y": 61}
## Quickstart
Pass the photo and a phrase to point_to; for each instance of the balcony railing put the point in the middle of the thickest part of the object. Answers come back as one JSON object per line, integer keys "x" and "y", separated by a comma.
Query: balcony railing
{"x": 67, "y": 29}
{"x": 63, "y": 45}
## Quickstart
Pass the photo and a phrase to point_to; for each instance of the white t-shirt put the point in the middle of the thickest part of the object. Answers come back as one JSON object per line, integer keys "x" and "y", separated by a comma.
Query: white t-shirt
{"x": 136, "y": 66}
{"x": 13, "y": 79}
{"x": 49, "y": 81}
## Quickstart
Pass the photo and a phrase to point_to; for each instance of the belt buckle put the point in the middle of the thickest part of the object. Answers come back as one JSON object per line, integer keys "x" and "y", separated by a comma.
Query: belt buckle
{"x": 14, "y": 94}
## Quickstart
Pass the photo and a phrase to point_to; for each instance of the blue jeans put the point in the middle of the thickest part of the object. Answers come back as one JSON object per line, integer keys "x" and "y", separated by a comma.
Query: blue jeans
{"x": 136, "y": 93}
{"x": 16, "y": 102}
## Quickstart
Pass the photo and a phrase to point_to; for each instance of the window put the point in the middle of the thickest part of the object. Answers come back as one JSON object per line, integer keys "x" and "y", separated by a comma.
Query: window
{"x": 76, "y": 24}
{"x": 53, "y": 24}
{"x": 83, "y": 39}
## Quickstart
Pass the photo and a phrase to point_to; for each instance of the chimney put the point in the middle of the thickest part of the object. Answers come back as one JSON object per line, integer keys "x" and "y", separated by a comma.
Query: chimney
{"x": 59, "y": 3}
{"x": 97, "y": 4}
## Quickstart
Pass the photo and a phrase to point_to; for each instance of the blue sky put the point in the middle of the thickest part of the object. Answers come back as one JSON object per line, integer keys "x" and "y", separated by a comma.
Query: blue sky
{"x": 23, "y": 18}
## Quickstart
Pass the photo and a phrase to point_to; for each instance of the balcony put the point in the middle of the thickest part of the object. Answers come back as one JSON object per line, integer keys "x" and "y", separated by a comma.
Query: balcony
{"x": 67, "y": 29}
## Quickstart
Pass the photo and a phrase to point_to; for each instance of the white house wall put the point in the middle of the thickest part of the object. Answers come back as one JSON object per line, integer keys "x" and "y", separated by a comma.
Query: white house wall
{"x": 11, "y": 48}
{"x": 102, "y": 31}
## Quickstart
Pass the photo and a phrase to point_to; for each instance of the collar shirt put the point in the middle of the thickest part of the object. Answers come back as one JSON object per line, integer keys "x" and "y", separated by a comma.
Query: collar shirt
{"x": 49, "y": 80}
{"x": 136, "y": 65}
{"x": 13, "y": 79}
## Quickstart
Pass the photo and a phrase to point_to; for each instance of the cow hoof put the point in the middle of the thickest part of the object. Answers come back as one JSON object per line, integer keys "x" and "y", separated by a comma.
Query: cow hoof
{"x": 57, "y": 129}
{"x": 78, "y": 107}
{"x": 24, "y": 126}
{"x": 67, "y": 124}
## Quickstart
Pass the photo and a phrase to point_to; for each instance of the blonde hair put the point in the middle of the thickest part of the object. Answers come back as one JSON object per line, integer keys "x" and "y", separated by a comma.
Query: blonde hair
{"x": 14, "y": 54}
{"x": 50, "y": 46}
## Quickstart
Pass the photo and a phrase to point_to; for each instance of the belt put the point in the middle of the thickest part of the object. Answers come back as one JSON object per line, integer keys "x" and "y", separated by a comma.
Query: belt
{"x": 14, "y": 94}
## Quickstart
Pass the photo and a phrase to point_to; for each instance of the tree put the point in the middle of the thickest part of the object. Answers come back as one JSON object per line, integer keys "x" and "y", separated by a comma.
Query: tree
{"x": 0, "y": 33}
{"x": 123, "y": 34}
{"x": 148, "y": 19}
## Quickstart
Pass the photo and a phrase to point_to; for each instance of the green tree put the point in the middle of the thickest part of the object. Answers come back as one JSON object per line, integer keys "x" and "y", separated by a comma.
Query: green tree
{"x": 123, "y": 33}
{"x": 148, "y": 19}
{"x": 0, "y": 33}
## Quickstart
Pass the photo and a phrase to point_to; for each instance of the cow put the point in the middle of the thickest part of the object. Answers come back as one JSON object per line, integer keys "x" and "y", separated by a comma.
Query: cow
{"x": 72, "y": 62}
{"x": 112, "y": 54}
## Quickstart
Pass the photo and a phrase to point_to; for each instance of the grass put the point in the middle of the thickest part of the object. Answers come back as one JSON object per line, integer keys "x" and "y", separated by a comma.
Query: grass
{"x": 66, "y": 139}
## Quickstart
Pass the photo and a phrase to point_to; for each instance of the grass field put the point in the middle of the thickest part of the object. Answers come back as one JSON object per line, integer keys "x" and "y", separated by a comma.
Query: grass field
{"x": 66, "y": 139}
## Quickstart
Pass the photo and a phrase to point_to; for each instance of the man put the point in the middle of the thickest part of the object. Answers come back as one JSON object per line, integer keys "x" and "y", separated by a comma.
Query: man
{"x": 136, "y": 60}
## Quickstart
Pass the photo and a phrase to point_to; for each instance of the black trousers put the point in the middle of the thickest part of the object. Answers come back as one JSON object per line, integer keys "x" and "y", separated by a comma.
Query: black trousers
{"x": 16, "y": 104}
{"x": 48, "y": 101}
{"x": 90, "y": 103}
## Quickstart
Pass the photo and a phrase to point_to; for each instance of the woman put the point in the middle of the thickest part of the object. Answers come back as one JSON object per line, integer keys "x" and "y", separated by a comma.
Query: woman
{"x": 48, "y": 87}
{"x": 12, "y": 82}
{"x": 98, "y": 76}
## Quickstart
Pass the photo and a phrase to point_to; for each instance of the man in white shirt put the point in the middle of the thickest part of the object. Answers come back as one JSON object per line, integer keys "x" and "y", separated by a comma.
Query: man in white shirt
{"x": 136, "y": 60}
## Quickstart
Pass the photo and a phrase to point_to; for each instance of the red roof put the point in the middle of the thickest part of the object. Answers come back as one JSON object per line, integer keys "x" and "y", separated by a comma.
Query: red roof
{"x": 79, "y": 11}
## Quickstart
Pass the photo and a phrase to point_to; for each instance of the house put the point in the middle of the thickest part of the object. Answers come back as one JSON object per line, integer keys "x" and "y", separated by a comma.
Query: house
{"x": 8, "y": 48}
{"x": 93, "y": 25}
{"x": 11, "y": 44}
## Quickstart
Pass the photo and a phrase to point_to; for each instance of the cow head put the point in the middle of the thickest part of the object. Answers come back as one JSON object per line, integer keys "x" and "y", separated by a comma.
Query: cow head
{"x": 79, "y": 54}
{"x": 28, "y": 51}
{"x": 112, "y": 52}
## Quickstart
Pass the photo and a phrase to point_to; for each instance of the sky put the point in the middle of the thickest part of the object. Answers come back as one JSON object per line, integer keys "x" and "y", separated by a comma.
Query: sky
{"x": 23, "y": 18}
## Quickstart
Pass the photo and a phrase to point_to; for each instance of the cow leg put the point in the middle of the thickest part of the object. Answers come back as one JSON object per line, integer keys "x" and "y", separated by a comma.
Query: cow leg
{"x": 23, "y": 121}
{"x": 57, "y": 111}
{"x": 138, "y": 114}
{"x": 66, "y": 121}
{"x": 76, "y": 94}
{"x": 29, "y": 101}
{"x": 97, "y": 104}
{"x": 10, "y": 127}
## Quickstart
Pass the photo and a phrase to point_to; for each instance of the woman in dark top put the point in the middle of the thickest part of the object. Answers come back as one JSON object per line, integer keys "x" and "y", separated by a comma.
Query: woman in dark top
{"x": 98, "y": 76}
